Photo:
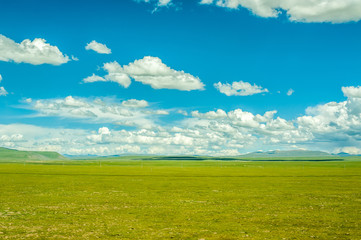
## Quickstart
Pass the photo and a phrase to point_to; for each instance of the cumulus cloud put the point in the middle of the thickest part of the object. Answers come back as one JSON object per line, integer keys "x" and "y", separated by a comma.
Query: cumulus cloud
{"x": 210, "y": 115}
{"x": 1, "y": 78}
{"x": 94, "y": 78}
{"x": 150, "y": 71}
{"x": 211, "y": 133}
{"x": 337, "y": 123}
{"x": 330, "y": 124}
{"x": 104, "y": 131}
{"x": 115, "y": 74}
{"x": 3, "y": 92}
{"x": 334, "y": 11}
{"x": 352, "y": 92}
{"x": 35, "y": 52}
{"x": 98, "y": 47}
{"x": 239, "y": 88}
{"x": 105, "y": 141}
{"x": 134, "y": 103}
{"x": 11, "y": 140}
{"x": 290, "y": 92}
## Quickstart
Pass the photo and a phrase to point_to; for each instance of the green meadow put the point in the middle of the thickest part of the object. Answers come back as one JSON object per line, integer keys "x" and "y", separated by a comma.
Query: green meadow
{"x": 136, "y": 198}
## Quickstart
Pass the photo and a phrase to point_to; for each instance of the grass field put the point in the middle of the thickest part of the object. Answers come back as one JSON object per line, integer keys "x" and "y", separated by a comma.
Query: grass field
{"x": 180, "y": 200}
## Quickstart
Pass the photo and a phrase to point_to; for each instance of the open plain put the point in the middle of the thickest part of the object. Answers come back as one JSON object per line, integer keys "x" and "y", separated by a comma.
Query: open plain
{"x": 132, "y": 198}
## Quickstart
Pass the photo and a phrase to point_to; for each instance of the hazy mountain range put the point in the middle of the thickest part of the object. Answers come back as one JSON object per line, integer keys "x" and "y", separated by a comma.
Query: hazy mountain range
{"x": 12, "y": 154}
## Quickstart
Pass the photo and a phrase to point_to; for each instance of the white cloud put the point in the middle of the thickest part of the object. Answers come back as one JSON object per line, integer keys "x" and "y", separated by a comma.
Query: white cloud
{"x": 182, "y": 112}
{"x": 34, "y": 52}
{"x": 156, "y": 112}
{"x": 104, "y": 131}
{"x": 94, "y": 78}
{"x": 352, "y": 92}
{"x": 74, "y": 58}
{"x": 162, "y": 3}
{"x": 128, "y": 113}
{"x": 157, "y": 150}
{"x": 210, "y": 115}
{"x": 98, "y": 47}
{"x": 206, "y": 2}
{"x": 334, "y": 122}
{"x": 151, "y": 71}
{"x": 158, "y": 3}
{"x": 128, "y": 149}
{"x": 12, "y": 138}
{"x": 334, "y": 11}
{"x": 331, "y": 127}
{"x": 349, "y": 150}
{"x": 134, "y": 103}
{"x": 243, "y": 119}
{"x": 290, "y": 92}
{"x": 239, "y": 88}
{"x": 3, "y": 92}
{"x": 115, "y": 74}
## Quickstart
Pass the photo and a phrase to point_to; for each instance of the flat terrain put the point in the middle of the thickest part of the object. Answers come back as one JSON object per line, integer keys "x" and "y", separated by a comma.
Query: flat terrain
{"x": 142, "y": 199}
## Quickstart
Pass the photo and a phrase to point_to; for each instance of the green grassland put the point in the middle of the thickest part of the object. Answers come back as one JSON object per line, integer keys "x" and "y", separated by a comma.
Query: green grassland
{"x": 10, "y": 155}
{"x": 156, "y": 198}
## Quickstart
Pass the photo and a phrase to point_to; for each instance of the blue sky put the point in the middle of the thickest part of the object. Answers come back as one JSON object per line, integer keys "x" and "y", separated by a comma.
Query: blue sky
{"x": 173, "y": 53}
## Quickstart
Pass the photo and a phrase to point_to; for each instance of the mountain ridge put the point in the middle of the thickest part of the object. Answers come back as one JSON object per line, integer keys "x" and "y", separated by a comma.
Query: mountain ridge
{"x": 287, "y": 153}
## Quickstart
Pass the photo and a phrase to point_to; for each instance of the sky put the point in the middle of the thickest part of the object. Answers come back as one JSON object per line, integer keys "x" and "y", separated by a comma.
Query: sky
{"x": 172, "y": 77}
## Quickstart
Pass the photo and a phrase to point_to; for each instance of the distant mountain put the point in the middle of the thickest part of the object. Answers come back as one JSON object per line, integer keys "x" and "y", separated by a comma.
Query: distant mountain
{"x": 91, "y": 156}
{"x": 290, "y": 153}
{"x": 15, "y": 155}
{"x": 343, "y": 154}
{"x": 81, "y": 157}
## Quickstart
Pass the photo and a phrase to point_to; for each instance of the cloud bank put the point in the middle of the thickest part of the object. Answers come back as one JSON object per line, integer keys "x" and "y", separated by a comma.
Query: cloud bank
{"x": 132, "y": 126}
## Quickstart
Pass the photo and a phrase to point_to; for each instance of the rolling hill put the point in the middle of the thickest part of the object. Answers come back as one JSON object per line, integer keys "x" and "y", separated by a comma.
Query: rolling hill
{"x": 16, "y": 155}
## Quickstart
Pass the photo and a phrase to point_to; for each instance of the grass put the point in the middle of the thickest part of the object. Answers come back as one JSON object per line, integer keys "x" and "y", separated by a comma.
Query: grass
{"x": 140, "y": 199}
{"x": 10, "y": 155}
